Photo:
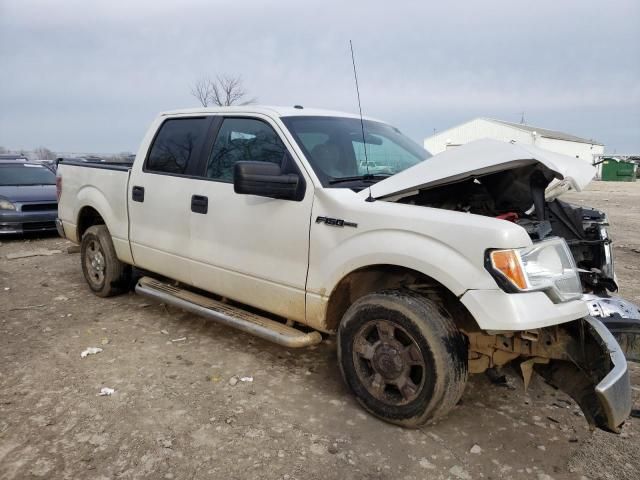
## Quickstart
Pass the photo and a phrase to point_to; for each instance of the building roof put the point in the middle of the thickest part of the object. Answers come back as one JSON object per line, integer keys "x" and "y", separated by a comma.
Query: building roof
{"x": 544, "y": 132}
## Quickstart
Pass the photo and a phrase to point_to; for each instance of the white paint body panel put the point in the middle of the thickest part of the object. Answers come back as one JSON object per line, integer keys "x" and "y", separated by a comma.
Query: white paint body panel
{"x": 160, "y": 225}
{"x": 497, "y": 310}
{"x": 251, "y": 249}
{"x": 435, "y": 242}
{"x": 103, "y": 190}
{"x": 271, "y": 254}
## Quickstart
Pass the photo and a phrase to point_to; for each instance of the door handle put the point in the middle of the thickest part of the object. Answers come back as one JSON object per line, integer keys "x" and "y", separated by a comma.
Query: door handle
{"x": 137, "y": 194}
{"x": 199, "y": 204}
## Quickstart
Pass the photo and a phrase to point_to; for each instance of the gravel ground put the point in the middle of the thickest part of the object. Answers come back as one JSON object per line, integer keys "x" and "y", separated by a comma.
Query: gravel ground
{"x": 180, "y": 409}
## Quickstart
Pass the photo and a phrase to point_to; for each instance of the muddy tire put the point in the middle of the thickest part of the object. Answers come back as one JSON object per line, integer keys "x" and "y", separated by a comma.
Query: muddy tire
{"x": 105, "y": 274}
{"x": 402, "y": 356}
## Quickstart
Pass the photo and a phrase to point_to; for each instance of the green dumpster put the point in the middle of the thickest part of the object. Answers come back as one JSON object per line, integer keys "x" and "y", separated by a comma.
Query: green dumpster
{"x": 618, "y": 171}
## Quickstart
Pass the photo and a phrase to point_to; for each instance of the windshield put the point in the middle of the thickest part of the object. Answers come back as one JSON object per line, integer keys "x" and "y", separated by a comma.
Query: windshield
{"x": 335, "y": 150}
{"x": 26, "y": 175}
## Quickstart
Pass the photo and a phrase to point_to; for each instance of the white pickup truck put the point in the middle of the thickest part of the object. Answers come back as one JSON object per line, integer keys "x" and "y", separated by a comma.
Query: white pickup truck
{"x": 265, "y": 219}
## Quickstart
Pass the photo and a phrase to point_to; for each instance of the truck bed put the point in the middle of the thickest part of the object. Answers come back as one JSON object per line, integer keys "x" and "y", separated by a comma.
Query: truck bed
{"x": 103, "y": 165}
{"x": 99, "y": 186}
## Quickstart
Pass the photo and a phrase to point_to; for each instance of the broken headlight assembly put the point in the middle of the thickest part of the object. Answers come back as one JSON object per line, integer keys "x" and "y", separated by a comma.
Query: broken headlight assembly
{"x": 546, "y": 266}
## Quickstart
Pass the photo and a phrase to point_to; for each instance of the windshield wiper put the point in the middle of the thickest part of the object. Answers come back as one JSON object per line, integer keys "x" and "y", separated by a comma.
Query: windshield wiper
{"x": 367, "y": 177}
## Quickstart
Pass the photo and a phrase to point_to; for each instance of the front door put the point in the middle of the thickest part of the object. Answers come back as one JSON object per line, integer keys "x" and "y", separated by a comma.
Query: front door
{"x": 248, "y": 248}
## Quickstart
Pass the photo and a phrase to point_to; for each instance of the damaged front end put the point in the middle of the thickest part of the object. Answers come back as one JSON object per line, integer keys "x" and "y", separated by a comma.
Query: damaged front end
{"x": 622, "y": 318}
{"x": 585, "y": 231}
{"x": 521, "y": 184}
{"x": 581, "y": 358}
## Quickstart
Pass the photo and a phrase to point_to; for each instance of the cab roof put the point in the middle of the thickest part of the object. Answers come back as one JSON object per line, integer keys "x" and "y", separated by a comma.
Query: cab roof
{"x": 266, "y": 110}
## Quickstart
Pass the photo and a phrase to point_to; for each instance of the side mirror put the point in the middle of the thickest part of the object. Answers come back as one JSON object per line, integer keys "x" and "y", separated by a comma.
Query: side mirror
{"x": 264, "y": 179}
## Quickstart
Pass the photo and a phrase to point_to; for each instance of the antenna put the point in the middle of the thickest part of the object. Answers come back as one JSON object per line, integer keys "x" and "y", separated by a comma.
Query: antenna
{"x": 364, "y": 142}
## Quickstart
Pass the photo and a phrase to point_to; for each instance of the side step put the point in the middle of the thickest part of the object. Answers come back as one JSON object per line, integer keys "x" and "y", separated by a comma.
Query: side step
{"x": 227, "y": 314}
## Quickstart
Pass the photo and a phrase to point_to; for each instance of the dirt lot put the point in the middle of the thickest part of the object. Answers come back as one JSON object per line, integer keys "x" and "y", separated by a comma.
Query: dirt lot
{"x": 175, "y": 414}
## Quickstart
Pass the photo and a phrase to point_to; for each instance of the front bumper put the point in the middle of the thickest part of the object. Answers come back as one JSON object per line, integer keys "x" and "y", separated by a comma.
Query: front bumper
{"x": 614, "y": 390}
{"x": 60, "y": 228}
{"x": 622, "y": 318}
{"x": 497, "y": 310}
{"x": 16, "y": 222}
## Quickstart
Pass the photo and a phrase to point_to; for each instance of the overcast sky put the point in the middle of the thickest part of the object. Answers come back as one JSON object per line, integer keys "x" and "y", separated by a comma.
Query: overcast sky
{"x": 90, "y": 75}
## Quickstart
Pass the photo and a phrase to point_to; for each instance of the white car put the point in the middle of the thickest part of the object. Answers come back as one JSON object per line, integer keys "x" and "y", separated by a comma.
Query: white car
{"x": 446, "y": 267}
{"x": 374, "y": 168}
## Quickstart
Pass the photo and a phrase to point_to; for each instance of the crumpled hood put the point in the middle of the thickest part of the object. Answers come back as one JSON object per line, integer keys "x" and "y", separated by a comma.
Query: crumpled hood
{"x": 478, "y": 158}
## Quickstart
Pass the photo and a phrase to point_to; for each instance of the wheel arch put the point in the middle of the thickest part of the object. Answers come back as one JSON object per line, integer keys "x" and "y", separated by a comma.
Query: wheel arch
{"x": 88, "y": 216}
{"x": 375, "y": 278}
{"x": 92, "y": 207}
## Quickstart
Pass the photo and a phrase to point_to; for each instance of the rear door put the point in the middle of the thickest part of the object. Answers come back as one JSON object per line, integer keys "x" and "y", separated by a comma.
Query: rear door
{"x": 248, "y": 248}
{"x": 160, "y": 191}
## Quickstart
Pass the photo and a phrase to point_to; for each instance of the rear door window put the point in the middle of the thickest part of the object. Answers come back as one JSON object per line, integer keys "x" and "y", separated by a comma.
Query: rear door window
{"x": 177, "y": 145}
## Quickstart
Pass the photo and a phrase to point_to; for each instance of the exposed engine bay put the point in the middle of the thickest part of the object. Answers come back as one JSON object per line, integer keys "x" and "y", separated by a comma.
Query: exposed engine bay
{"x": 518, "y": 195}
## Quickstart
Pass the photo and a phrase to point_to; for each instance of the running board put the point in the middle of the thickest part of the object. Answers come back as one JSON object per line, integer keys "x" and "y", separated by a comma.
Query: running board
{"x": 227, "y": 314}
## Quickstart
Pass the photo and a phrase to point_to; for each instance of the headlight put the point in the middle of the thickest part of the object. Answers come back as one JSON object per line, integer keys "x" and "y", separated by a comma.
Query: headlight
{"x": 6, "y": 204}
{"x": 607, "y": 263}
{"x": 545, "y": 266}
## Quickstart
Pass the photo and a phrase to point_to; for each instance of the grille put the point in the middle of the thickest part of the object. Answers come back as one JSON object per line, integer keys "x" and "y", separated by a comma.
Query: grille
{"x": 39, "y": 207}
{"x": 38, "y": 226}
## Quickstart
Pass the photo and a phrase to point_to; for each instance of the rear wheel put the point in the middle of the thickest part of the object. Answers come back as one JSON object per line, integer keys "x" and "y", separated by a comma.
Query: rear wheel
{"x": 402, "y": 356}
{"x": 105, "y": 274}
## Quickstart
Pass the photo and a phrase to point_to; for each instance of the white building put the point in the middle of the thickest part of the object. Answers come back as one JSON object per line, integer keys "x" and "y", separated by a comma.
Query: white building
{"x": 506, "y": 131}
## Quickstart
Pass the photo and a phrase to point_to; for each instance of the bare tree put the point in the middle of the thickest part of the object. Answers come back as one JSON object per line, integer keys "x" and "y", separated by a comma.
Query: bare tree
{"x": 222, "y": 91}
{"x": 201, "y": 90}
{"x": 3, "y": 150}
{"x": 43, "y": 153}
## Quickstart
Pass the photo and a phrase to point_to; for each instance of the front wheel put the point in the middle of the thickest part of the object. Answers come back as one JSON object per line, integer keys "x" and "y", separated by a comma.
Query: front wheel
{"x": 402, "y": 356}
{"x": 105, "y": 274}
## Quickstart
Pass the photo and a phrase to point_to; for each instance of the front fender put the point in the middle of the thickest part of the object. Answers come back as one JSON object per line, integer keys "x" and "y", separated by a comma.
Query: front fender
{"x": 400, "y": 248}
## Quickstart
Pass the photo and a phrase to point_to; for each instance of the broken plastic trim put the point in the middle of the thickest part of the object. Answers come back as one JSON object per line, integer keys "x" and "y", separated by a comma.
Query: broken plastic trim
{"x": 621, "y": 317}
{"x": 596, "y": 376}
